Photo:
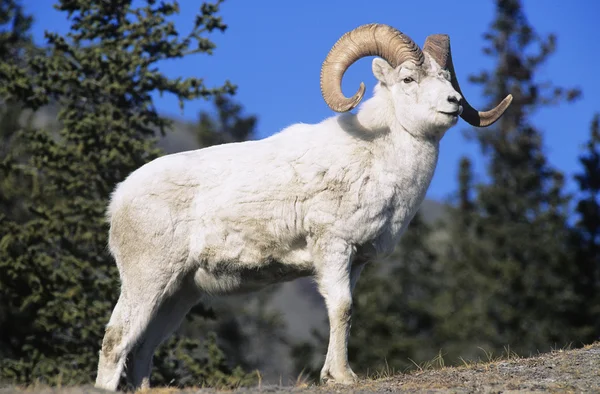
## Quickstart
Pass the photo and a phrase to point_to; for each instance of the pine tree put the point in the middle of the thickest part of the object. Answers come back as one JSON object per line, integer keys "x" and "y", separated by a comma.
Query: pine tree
{"x": 15, "y": 43}
{"x": 512, "y": 261}
{"x": 58, "y": 282}
{"x": 227, "y": 125}
{"x": 586, "y": 238}
{"x": 15, "y": 36}
{"x": 461, "y": 321}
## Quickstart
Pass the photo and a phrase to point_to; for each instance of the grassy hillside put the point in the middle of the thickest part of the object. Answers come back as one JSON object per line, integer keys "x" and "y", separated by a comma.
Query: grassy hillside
{"x": 560, "y": 371}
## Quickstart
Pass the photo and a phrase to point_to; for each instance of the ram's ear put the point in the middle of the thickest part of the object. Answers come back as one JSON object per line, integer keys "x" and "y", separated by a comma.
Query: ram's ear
{"x": 382, "y": 71}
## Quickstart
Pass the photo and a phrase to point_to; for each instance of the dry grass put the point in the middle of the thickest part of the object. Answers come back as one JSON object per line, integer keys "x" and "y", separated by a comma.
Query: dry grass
{"x": 562, "y": 370}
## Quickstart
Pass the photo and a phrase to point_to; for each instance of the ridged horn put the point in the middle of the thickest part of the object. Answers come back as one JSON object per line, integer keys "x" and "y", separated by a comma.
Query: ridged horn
{"x": 367, "y": 40}
{"x": 438, "y": 47}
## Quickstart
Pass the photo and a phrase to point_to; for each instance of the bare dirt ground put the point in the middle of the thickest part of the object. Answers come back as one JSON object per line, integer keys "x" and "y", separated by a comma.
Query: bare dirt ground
{"x": 561, "y": 371}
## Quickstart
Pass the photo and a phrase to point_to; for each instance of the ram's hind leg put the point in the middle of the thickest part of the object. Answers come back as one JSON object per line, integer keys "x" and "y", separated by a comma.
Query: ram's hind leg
{"x": 135, "y": 311}
{"x": 168, "y": 318}
{"x": 111, "y": 360}
{"x": 127, "y": 326}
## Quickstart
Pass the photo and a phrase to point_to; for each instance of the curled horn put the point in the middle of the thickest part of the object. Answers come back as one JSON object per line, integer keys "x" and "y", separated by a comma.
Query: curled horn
{"x": 366, "y": 40}
{"x": 438, "y": 47}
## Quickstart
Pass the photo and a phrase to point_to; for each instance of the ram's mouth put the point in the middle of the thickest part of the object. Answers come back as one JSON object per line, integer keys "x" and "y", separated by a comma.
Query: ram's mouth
{"x": 453, "y": 113}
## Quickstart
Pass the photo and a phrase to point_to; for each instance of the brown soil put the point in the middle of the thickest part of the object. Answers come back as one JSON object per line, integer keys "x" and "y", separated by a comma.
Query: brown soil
{"x": 561, "y": 371}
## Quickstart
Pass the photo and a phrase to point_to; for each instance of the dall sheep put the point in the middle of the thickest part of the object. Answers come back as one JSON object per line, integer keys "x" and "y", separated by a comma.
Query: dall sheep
{"x": 315, "y": 200}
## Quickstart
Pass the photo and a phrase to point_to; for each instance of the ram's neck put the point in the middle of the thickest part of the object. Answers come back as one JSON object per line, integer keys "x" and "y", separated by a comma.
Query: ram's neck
{"x": 376, "y": 118}
{"x": 404, "y": 162}
{"x": 414, "y": 158}
{"x": 377, "y": 113}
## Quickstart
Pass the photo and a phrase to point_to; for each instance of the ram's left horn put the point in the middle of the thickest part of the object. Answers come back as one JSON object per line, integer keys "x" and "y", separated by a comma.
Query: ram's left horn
{"x": 438, "y": 47}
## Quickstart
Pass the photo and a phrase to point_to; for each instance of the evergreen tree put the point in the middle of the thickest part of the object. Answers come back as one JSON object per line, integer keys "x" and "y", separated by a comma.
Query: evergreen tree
{"x": 586, "y": 238}
{"x": 510, "y": 258}
{"x": 15, "y": 25}
{"x": 227, "y": 125}
{"x": 58, "y": 282}
{"x": 14, "y": 29}
{"x": 462, "y": 324}
{"x": 15, "y": 43}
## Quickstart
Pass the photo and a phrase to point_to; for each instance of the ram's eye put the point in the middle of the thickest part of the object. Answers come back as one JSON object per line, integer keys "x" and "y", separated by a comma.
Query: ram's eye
{"x": 408, "y": 80}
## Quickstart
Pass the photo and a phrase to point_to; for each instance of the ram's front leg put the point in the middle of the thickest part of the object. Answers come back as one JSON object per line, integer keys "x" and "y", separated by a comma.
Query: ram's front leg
{"x": 335, "y": 284}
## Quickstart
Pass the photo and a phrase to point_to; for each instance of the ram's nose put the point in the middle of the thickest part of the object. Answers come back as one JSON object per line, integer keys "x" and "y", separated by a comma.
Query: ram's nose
{"x": 454, "y": 98}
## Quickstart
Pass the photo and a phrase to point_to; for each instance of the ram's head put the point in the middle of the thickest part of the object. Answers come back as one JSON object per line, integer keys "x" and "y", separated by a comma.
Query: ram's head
{"x": 422, "y": 80}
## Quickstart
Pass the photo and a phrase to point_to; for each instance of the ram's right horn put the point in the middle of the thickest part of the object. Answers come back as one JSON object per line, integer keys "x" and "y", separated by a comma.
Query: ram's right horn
{"x": 367, "y": 40}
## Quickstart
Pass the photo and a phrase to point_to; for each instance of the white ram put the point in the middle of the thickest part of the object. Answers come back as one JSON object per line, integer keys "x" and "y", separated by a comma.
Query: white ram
{"x": 315, "y": 200}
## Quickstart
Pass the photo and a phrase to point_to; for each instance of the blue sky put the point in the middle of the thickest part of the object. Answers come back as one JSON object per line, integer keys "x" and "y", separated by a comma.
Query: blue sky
{"x": 273, "y": 51}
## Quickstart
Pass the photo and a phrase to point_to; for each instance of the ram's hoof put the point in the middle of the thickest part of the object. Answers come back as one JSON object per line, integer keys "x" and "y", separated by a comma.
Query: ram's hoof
{"x": 346, "y": 378}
